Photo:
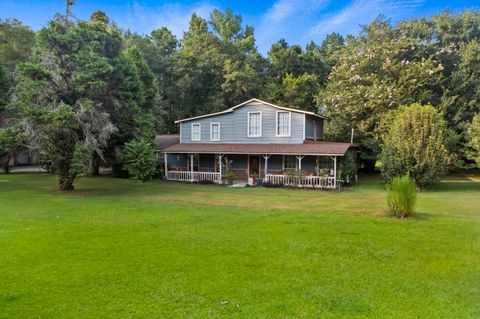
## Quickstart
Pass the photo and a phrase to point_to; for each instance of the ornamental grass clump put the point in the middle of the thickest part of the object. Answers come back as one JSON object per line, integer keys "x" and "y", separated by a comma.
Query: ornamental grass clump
{"x": 402, "y": 195}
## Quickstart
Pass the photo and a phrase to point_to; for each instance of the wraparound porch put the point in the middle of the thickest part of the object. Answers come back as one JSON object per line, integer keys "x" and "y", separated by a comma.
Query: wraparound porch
{"x": 310, "y": 171}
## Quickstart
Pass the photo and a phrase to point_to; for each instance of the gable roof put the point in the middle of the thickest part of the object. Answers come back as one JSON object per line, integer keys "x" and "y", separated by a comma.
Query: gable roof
{"x": 248, "y": 102}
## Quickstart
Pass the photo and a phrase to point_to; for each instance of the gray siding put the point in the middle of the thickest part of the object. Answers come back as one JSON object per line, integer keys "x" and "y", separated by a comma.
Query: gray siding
{"x": 233, "y": 127}
{"x": 310, "y": 123}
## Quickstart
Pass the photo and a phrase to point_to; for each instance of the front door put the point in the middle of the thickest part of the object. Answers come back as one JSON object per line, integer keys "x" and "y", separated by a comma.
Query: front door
{"x": 254, "y": 165}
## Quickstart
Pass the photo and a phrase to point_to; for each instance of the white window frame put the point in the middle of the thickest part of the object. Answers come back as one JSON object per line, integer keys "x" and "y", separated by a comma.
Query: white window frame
{"x": 199, "y": 132}
{"x": 248, "y": 124}
{"x": 211, "y": 132}
{"x": 289, "y": 124}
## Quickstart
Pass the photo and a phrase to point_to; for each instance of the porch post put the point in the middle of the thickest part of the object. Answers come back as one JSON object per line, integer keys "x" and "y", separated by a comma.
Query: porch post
{"x": 166, "y": 165}
{"x": 266, "y": 157}
{"x": 191, "y": 166}
{"x": 334, "y": 172}
{"x": 220, "y": 160}
{"x": 300, "y": 157}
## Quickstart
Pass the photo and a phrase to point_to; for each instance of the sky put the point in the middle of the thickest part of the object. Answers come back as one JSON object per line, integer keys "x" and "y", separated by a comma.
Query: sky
{"x": 297, "y": 21}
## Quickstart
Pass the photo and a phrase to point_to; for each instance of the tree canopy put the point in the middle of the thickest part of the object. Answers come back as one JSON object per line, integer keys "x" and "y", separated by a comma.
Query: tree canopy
{"x": 76, "y": 85}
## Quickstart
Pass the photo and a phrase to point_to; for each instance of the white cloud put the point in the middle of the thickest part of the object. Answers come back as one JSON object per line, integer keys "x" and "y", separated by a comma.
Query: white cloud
{"x": 359, "y": 12}
{"x": 174, "y": 16}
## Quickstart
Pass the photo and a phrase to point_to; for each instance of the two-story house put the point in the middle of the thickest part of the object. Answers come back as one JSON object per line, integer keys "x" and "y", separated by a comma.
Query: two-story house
{"x": 257, "y": 139}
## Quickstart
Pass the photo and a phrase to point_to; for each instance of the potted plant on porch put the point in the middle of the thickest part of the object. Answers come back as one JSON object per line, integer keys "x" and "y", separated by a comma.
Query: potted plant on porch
{"x": 231, "y": 177}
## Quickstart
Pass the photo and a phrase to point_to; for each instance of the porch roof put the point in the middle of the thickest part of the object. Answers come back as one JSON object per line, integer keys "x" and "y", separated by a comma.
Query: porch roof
{"x": 310, "y": 148}
{"x": 165, "y": 140}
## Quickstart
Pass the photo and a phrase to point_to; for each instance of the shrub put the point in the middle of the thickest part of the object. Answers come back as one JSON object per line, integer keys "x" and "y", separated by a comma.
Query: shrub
{"x": 138, "y": 158}
{"x": 272, "y": 185}
{"x": 473, "y": 136}
{"x": 231, "y": 177}
{"x": 347, "y": 168}
{"x": 205, "y": 182}
{"x": 82, "y": 155}
{"x": 414, "y": 144}
{"x": 402, "y": 195}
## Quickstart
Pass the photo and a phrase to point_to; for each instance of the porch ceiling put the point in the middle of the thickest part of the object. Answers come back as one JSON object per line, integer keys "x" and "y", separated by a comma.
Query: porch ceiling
{"x": 316, "y": 149}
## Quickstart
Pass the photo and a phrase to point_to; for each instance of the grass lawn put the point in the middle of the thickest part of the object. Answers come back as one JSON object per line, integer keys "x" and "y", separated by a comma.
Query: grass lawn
{"x": 120, "y": 249}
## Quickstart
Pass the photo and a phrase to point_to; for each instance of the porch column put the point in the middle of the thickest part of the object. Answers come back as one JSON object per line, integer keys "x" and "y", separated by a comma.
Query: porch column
{"x": 191, "y": 166}
{"x": 220, "y": 166}
{"x": 300, "y": 157}
{"x": 334, "y": 172}
{"x": 166, "y": 165}
{"x": 266, "y": 157}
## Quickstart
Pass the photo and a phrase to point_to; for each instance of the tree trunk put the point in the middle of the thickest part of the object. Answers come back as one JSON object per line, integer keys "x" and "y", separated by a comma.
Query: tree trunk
{"x": 6, "y": 165}
{"x": 65, "y": 182}
{"x": 96, "y": 161}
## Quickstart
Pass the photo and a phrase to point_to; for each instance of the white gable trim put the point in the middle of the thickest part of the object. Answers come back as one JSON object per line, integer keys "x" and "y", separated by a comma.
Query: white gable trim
{"x": 248, "y": 102}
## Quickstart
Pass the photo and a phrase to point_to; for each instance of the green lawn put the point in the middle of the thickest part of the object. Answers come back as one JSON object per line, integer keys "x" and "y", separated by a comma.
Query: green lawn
{"x": 120, "y": 249}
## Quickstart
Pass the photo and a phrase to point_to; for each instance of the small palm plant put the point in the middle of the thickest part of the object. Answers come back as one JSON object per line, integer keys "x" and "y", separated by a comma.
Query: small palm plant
{"x": 402, "y": 195}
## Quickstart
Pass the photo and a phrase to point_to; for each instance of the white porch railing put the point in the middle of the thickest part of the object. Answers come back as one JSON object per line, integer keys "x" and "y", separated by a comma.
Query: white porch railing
{"x": 188, "y": 176}
{"x": 302, "y": 181}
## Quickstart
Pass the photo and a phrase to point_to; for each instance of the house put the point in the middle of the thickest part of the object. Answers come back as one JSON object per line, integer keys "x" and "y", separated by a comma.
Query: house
{"x": 253, "y": 139}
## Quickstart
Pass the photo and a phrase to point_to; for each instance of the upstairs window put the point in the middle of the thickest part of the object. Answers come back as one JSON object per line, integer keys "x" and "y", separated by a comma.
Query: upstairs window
{"x": 214, "y": 131}
{"x": 196, "y": 131}
{"x": 254, "y": 124}
{"x": 283, "y": 123}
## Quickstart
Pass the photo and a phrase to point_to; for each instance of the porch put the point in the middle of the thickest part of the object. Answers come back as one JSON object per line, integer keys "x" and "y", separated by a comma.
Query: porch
{"x": 305, "y": 171}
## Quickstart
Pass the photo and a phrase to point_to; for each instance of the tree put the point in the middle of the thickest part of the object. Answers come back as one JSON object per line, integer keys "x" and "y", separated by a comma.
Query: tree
{"x": 4, "y": 90}
{"x": 330, "y": 49}
{"x": 77, "y": 88}
{"x": 299, "y": 92}
{"x": 12, "y": 139}
{"x": 16, "y": 43}
{"x": 295, "y": 75}
{"x": 138, "y": 158}
{"x": 473, "y": 135}
{"x": 455, "y": 41}
{"x": 377, "y": 72}
{"x": 414, "y": 145}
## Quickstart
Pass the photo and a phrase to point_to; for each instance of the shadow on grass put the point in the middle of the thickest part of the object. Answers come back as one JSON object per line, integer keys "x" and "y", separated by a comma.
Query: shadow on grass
{"x": 454, "y": 186}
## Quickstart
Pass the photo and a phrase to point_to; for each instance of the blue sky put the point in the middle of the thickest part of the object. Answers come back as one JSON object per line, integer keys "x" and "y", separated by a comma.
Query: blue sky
{"x": 298, "y": 21}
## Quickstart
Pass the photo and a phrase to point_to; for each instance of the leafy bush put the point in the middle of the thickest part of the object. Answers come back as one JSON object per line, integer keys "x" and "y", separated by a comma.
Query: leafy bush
{"x": 205, "y": 182}
{"x": 473, "y": 135}
{"x": 272, "y": 185}
{"x": 231, "y": 177}
{"x": 347, "y": 168}
{"x": 138, "y": 158}
{"x": 402, "y": 195}
{"x": 80, "y": 164}
{"x": 415, "y": 145}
